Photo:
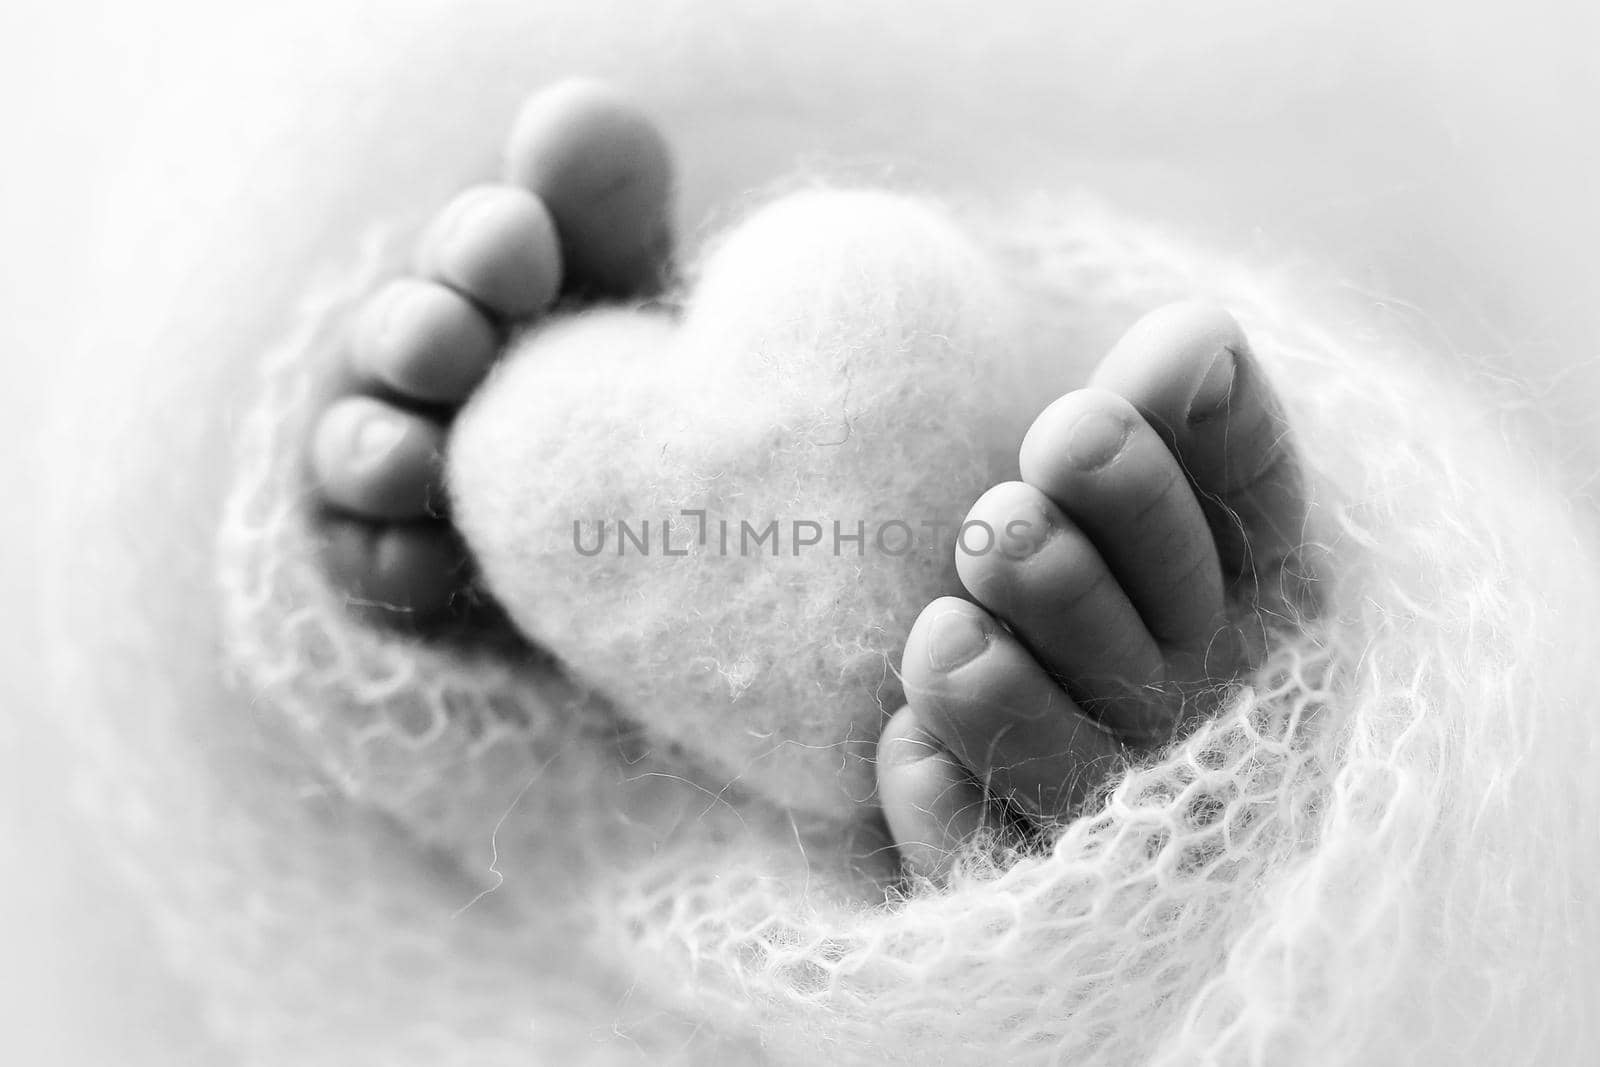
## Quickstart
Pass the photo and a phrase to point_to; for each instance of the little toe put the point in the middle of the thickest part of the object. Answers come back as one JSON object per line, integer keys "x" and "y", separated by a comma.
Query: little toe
{"x": 1045, "y": 578}
{"x": 996, "y": 710}
{"x": 1189, "y": 370}
{"x": 376, "y": 461}
{"x": 497, "y": 245}
{"x": 411, "y": 570}
{"x": 930, "y": 801}
{"x": 1112, "y": 475}
{"x": 423, "y": 341}
{"x": 604, "y": 170}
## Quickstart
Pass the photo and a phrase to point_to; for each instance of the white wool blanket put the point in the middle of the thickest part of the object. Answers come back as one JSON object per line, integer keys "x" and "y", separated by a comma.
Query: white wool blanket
{"x": 1383, "y": 850}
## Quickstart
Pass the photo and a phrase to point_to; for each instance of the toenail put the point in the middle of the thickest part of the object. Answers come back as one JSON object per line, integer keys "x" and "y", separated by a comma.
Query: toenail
{"x": 1211, "y": 396}
{"x": 1096, "y": 439}
{"x": 1024, "y": 535}
{"x": 955, "y": 638}
{"x": 388, "y": 315}
{"x": 469, "y": 208}
{"x": 376, "y": 435}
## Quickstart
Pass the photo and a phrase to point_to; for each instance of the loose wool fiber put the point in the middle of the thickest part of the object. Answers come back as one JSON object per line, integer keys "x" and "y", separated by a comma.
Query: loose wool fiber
{"x": 1383, "y": 850}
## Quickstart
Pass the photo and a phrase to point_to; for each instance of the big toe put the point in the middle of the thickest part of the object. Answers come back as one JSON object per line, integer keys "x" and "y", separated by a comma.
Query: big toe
{"x": 1190, "y": 371}
{"x": 603, "y": 169}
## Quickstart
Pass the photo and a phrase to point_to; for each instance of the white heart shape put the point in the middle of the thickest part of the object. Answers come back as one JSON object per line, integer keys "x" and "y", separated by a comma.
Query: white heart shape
{"x": 838, "y": 364}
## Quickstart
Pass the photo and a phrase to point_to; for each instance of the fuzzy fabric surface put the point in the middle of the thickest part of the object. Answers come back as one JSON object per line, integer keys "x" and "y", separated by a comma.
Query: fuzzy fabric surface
{"x": 732, "y": 545}
{"x": 1384, "y": 850}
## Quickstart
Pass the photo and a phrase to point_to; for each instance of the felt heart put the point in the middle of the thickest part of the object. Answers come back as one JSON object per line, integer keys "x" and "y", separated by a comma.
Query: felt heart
{"x": 727, "y": 522}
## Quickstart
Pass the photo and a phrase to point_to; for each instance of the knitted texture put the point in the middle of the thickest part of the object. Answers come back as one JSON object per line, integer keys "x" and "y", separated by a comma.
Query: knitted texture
{"x": 1383, "y": 849}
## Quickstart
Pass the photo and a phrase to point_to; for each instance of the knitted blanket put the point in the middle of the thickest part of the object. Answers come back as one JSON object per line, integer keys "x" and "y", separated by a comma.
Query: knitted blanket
{"x": 1382, "y": 850}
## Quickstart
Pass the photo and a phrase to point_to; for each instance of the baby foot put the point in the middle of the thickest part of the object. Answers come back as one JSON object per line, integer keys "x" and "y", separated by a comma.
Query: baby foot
{"x": 584, "y": 208}
{"x": 1157, "y": 509}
